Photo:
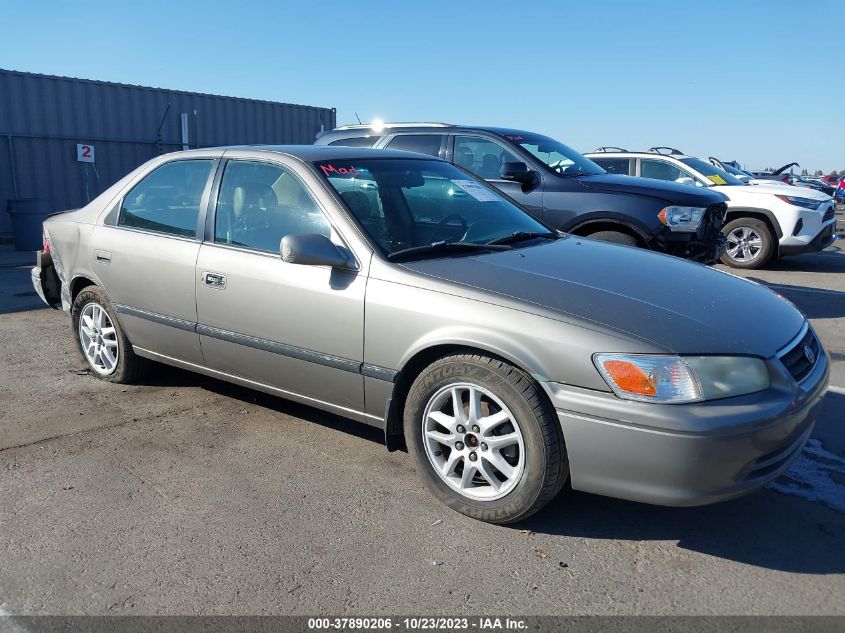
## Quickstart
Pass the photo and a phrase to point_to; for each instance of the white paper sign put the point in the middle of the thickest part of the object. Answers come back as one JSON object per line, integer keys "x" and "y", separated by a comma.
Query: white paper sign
{"x": 85, "y": 153}
{"x": 482, "y": 194}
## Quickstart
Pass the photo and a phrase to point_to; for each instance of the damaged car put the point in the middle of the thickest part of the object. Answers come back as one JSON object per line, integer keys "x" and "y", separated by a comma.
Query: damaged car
{"x": 561, "y": 187}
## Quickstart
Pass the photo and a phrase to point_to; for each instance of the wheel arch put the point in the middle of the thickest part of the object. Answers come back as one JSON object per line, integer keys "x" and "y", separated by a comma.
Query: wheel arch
{"x": 584, "y": 229}
{"x": 734, "y": 213}
{"x": 422, "y": 358}
{"x": 78, "y": 284}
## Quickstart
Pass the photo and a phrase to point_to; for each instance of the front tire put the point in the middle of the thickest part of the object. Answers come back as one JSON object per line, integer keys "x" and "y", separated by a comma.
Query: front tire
{"x": 486, "y": 443}
{"x": 750, "y": 243}
{"x": 616, "y": 237}
{"x": 100, "y": 340}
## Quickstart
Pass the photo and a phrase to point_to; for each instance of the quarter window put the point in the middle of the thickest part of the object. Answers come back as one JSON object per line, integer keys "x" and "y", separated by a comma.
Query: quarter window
{"x": 260, "y": 203}
{"x": 421, "y": 143}
{"x": 168, "y": 199}
{"x": 481, "y": 156}
{"x": 356, "y": 141}
{"x": 614, "y": 165}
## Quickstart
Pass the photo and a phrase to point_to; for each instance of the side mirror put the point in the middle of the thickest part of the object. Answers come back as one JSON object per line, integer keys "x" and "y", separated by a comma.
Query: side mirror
{"x": 685, "y": 180}
{"x": 312, "y": 250}
{"x": 517, "y": 172}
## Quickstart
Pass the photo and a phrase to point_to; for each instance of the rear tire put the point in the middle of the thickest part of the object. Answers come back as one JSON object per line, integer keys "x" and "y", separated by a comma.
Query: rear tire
{"x": 500, "y": 457}
{"x": 100, "y": 340}
{"x": 616, "y": 237}
{"x": 750, "y": 243}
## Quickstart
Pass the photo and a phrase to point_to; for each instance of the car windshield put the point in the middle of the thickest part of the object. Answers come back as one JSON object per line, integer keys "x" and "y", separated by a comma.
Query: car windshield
{"x": 715, "y": 175}
{"x": 409, "y": 203}
{"x": 558, "y": 157}
{"x": 735, "y": 172}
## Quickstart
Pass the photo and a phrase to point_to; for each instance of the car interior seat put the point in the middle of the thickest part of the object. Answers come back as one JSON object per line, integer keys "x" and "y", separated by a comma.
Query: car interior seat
{"x": 256, "y": 220}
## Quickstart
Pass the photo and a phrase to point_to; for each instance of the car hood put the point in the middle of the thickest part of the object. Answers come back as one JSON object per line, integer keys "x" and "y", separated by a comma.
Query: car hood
{"x": 779, "y": 190}
{"x": 671, "y": 192}
{"x": 674, "y": 304}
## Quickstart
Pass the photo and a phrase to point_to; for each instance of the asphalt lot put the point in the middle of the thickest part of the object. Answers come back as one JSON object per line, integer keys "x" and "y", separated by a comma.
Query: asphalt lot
{"x": 185, "y": 495}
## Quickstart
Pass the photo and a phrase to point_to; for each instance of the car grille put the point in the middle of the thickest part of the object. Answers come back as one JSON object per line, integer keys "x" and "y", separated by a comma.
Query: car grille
{"x": 795, "y": 358}
{"x": 828, "y": 215}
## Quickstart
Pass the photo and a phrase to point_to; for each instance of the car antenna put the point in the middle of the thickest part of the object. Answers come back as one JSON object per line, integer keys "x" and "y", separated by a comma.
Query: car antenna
{"x": 359, "y": 119}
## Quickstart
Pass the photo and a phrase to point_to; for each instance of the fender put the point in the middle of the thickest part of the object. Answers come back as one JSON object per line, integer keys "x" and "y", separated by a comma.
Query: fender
{"x": 613, "y": 218}
{"x": 748, "y": 211}
{"x": 484, "y": 340}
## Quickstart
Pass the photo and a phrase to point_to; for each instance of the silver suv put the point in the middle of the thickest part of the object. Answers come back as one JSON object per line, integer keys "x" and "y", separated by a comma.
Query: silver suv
{"x": 399, "y": 291}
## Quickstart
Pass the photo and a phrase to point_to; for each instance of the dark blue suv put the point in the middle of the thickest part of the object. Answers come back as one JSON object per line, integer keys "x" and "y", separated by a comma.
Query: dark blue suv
{"x": 563, "y": 188}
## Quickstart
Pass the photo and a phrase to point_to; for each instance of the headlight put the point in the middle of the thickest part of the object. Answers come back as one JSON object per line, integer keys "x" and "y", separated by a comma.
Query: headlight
{"x": 682, "y": 219}
{"x": 676, "y": 379}
{"x": 807, "y": 203}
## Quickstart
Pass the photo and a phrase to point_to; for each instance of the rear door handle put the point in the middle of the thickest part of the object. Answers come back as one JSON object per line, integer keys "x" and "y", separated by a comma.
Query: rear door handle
{"x": 214, "y": 280}
{"x": 103, "y": 257}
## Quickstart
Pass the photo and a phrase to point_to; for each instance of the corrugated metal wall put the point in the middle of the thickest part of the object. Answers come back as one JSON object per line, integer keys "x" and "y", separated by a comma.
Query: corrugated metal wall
{"x": 43, "y": 118}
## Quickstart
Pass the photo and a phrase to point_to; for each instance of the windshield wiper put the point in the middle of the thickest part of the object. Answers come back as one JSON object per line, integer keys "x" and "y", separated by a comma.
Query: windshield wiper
{"x": 521, "y": 236}
{"x": 439, "y": 247}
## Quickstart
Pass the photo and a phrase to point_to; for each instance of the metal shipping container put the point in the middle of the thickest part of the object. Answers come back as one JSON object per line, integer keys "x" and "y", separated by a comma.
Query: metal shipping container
{"x": 45, "y": 119}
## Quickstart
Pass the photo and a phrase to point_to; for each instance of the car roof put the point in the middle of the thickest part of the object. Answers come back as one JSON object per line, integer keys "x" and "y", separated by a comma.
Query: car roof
{"x": 636, "y": 153}
{"x": 389, "y": 128}
{"x": 311, "y": 153}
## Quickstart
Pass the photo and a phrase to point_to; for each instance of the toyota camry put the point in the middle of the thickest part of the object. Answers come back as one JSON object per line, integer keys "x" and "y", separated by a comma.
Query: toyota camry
{"x": 398, "y": 290}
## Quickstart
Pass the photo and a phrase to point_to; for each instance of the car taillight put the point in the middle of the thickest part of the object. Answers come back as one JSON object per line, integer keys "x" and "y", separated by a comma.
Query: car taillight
{"x": 45, "y": 245}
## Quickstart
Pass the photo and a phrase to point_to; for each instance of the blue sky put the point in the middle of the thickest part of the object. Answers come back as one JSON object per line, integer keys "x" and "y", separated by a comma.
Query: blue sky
{"x": 759, "y": 82}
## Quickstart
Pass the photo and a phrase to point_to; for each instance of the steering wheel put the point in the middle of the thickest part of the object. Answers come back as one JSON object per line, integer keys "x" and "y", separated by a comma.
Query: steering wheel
{"x": 442, "y": 225}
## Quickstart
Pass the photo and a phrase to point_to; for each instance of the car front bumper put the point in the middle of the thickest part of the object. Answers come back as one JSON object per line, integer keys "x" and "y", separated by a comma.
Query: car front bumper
{"x": 705, "y": 245}
{"x": 821, "y": 241}
{"x": 686, "y": 455}
{"x": 810, "y": 231}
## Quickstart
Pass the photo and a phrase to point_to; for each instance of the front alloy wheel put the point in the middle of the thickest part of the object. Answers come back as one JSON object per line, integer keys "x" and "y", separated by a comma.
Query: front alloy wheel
{"x": 748, "y": 243}
{"x": 743, "y": 244}
{"x": 473, "y": 441}
{"x": 486, "y": 441}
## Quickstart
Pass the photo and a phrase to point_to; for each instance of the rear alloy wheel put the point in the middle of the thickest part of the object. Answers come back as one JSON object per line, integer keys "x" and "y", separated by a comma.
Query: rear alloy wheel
{"x": 100, "y": 340}
{"x": 485, "y": 441}
{"x": 748, "y": 243}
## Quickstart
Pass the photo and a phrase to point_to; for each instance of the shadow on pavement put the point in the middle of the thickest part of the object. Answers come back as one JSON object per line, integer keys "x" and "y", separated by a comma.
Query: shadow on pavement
{"x": 831, "y": 260}
{"x": 814, "y": 303}
{"x": 766, "y": 529}
{"x": 167, "y": 376}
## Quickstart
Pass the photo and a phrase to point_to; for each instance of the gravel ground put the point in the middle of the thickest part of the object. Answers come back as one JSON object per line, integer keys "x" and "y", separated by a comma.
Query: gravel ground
{"x": 185, "y": 495}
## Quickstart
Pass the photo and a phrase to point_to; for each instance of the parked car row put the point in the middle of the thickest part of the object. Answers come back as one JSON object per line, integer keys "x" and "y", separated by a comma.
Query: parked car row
{"x": 825, "y": 184}
{"x": 763, "y": 221}
{"x": 700, "y": 211}
{"x": 405, "y": 292}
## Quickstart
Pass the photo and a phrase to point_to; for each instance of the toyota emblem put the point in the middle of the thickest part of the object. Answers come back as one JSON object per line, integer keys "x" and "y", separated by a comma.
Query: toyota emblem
{"x": 809, "y": 355}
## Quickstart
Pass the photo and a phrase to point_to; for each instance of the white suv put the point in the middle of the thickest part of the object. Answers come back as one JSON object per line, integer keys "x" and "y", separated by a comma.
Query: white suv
{"x": 763, "y": 221}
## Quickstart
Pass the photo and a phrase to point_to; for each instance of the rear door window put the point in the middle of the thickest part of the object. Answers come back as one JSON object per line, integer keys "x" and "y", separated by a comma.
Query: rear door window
{"x": 168, "y": 199}
{"x": 420, "y": 143}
